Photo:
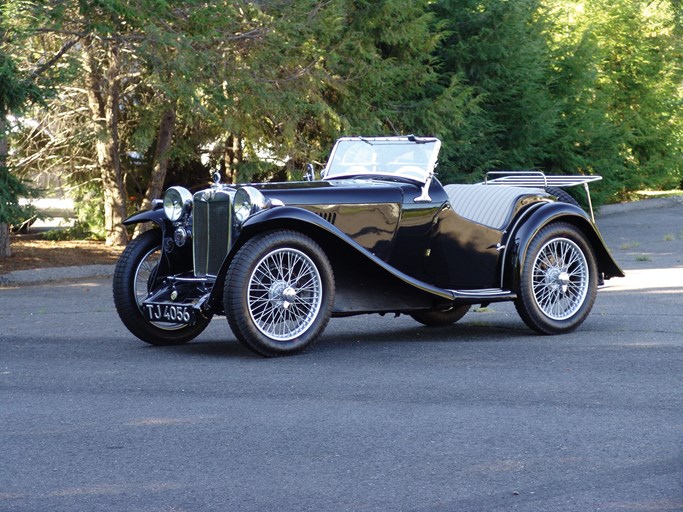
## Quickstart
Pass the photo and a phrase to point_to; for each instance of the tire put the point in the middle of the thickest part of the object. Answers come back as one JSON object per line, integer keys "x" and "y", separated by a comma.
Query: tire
{"x": 558, "y": 281}
{"x": 436, "y": 318}
{"x": 132, "y": 278}
{"x": 562, "y": 195}
{"x": 279, "y": 292}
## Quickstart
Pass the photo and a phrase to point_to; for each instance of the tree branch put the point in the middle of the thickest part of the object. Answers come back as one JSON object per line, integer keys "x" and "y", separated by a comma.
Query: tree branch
{"x": 51, "y": 62}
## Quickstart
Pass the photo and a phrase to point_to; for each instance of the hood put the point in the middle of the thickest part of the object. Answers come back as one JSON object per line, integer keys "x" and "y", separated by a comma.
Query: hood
{"x": 303, "y": 193}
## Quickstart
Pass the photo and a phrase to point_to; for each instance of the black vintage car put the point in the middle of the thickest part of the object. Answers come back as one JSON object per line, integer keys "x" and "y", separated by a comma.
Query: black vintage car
{"x": 377, "y": 234}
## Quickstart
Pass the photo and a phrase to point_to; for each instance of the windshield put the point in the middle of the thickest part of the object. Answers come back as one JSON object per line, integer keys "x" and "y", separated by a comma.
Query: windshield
{"x": 406, "y": 157}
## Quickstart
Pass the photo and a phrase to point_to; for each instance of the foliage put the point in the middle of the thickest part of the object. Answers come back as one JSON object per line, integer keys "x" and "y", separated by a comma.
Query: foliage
{"x": 12, "y": 188}
{"x": 78, "y": 231}
{"x": 619, "y": 84}
{"x": 568, "y": 87}
{"x": 257, "y": 89}
{"x": 498, "y": 49}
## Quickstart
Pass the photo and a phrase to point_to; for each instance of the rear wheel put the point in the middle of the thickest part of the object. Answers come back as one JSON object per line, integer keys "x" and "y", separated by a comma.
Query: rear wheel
{"x": 441, "y": 318}
{"x": 558, "y": 281}
{"x": 279, "y": 292}
{"x": 133, "y": 277}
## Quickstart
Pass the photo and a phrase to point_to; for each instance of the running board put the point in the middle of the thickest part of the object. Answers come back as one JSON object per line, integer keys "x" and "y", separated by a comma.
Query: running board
{"x": 484, "y": 296}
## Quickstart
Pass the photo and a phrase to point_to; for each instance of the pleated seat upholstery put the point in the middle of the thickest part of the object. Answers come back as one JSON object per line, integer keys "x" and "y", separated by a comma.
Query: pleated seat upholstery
{"x": 487, "y": 204}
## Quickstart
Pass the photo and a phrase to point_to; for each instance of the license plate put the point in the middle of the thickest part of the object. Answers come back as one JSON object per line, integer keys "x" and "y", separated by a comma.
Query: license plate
{"x": 168, "y": 313}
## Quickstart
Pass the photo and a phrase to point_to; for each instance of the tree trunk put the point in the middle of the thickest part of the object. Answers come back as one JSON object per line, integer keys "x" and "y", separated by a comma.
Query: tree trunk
{"x": 156, "y": 182}
{"x": 5, "y": 249}
{"x": 103, "y": 99}
{"x": 233, "y": 155}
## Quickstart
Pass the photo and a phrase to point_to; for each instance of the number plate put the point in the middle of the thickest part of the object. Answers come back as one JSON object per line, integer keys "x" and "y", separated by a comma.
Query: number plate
{"x": 168, "y": 312}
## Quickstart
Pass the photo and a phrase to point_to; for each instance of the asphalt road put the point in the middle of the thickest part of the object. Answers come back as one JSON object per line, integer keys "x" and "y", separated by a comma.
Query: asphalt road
{"x": 381, "y": 415}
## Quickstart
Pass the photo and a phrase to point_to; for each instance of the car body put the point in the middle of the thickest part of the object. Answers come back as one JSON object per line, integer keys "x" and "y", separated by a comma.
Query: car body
{"x": 378, "y": 233}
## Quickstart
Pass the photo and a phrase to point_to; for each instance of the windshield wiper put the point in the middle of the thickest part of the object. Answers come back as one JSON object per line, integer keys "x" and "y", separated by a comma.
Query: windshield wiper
{"x": 421, "y": 140}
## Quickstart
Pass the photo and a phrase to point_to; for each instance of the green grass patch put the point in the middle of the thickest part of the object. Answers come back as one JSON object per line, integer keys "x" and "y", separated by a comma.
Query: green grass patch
{"x": 649, "y": 194}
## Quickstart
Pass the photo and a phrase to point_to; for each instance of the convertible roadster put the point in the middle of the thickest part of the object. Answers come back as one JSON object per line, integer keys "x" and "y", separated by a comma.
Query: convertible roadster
{"x": 378, "y": 233}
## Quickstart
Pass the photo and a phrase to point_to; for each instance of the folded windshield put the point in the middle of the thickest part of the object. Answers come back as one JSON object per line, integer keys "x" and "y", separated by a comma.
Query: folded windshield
{"x": 406, "y": 157}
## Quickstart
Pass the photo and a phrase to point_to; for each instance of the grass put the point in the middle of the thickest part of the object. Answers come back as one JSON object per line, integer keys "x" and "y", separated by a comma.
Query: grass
{"x": 648, "y": 194}
{"x": 629, "y": 245}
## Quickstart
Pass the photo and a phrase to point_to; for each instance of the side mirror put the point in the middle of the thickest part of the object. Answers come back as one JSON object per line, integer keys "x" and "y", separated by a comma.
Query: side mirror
{"x": 309, "y": 175}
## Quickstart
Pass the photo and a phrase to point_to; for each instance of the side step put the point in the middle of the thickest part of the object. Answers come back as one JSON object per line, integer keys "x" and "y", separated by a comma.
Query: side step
{"x": 484, "y": 296}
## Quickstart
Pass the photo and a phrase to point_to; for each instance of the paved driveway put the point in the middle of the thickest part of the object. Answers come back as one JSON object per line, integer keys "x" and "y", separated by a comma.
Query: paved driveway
{"x": 382, "y": 415}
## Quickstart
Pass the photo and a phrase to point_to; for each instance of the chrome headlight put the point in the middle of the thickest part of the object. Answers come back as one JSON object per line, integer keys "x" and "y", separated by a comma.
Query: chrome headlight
{"x": 248, "y": 201}
{"x": 177, "y": 200}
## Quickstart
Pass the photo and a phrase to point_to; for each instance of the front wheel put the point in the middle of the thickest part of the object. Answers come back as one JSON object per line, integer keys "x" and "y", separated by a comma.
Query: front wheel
{"x": 279, "y": 292}
{"x": 134, "y": 274}
{"x": 558, "y": 281}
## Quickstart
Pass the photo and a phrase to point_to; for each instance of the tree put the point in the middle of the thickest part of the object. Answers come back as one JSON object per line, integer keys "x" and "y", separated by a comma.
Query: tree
{"x": 498, "y": 50}
{"x": 618, "y": 88}
{"x": 17, "y": 89}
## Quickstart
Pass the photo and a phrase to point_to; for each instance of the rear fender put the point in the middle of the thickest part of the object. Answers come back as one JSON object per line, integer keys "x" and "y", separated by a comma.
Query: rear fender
{"x": 528, "y": 227}
{"x": 364, "y": 282}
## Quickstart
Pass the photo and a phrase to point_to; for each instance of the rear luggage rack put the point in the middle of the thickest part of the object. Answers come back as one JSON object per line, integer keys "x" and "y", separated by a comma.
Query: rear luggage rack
{"x": 538, "y": 179}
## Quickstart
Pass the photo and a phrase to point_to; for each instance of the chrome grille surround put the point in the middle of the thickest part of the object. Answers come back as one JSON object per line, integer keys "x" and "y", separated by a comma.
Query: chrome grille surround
{"x": 211, "y": 230}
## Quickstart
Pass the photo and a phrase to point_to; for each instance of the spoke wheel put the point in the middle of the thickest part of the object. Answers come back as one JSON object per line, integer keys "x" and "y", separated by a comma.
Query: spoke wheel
{"x": 560, "y": 278}
{"x": 279, "y": 292}
{"x": 285, "y": 294}
{"x": 134, "y": 276}
{"x": 145, "y": 274}
{"x": 558, "y": 282}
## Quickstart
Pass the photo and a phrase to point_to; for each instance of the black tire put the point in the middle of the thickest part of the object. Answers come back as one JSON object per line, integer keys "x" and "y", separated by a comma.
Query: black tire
{"x": 279, "y": 292}
{"x": 132, "y": 277}
{"x": 558, "y": 280}
{"x": 562, "y": 195}
{"x": 441, "y": 318}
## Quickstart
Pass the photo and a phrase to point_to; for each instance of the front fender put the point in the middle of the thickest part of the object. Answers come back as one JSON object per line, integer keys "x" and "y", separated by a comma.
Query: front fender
{"x": 339, "y": 247}
{"x": 155, "y": 215}
{"x": 528, "y": 226}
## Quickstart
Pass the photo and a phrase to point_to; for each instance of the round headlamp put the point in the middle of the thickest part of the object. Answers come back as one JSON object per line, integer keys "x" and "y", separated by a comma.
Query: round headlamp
{"x": 248, "y": 201}
{"x": 177, "y": 200}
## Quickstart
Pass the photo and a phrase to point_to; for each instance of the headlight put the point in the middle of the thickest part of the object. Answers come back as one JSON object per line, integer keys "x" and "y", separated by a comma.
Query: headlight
{"x": 248, "y": 201}
{"x": 177, "y": 200}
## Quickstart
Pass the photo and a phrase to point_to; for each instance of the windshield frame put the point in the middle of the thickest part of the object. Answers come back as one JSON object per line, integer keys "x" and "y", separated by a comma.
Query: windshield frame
{"x": 381, "y": 157}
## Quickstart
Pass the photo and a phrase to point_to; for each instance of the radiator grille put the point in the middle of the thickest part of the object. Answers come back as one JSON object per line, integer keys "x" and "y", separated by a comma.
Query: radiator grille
{"x": 211, "y": 227}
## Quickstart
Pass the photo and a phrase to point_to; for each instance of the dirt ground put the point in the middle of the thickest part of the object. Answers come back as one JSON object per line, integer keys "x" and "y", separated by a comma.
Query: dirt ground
{"x": 31, "y": 251}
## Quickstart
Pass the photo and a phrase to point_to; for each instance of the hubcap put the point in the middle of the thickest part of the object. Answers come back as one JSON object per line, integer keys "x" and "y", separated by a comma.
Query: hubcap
{"x": 285, "y": 294}
{"x": 560, "y": 278}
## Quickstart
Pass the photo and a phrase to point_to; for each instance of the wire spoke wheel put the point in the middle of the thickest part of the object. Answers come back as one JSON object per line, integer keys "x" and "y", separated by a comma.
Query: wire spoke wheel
{"x": 279, "y": 292}
{"x": 136, "y": 274}
{"x": 560, "y": 278}
{"x": 145, "y": 274}
{"x": 285, "y": 294}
